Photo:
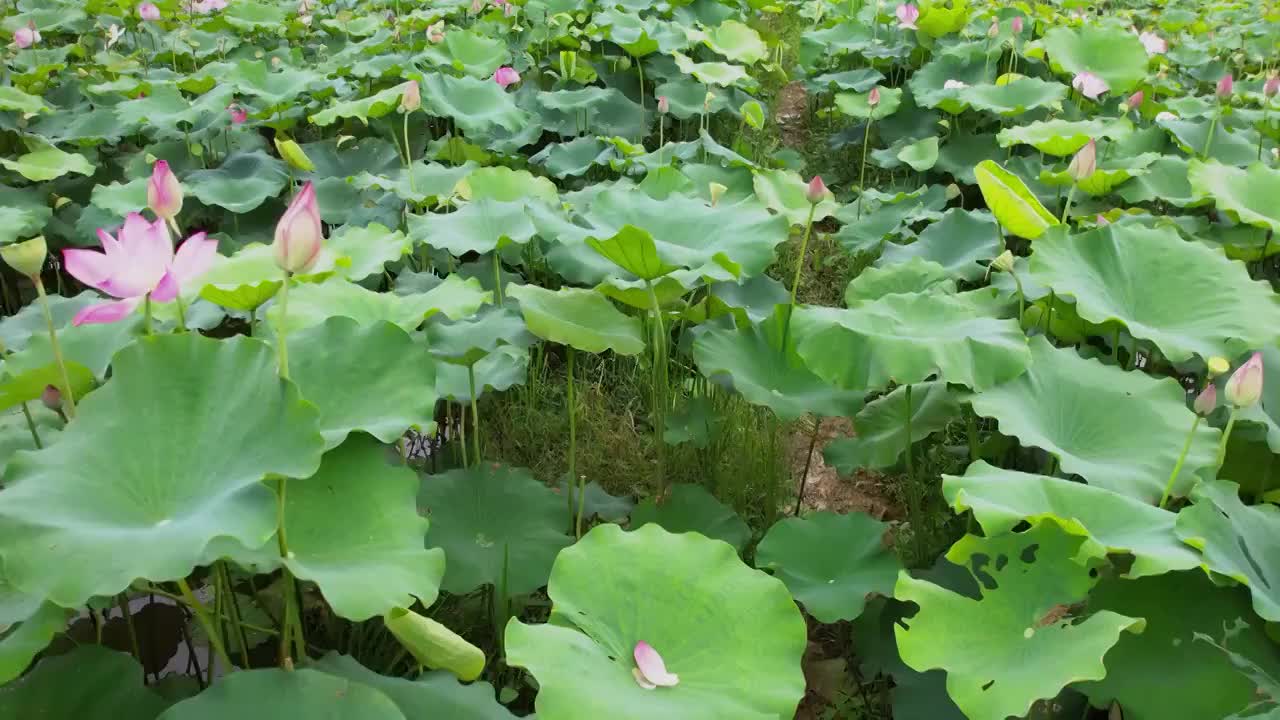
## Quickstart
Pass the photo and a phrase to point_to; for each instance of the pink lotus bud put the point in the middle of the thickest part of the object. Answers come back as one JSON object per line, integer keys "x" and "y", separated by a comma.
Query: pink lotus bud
{"x": 1085, "y": 162}
{"x": 817, "y": 191}
{"x": 51, "y": 397}
{"x": 1244, "y": 387}
{"x": 650, "y": 671}
{"x": 1207, "y": 400}
{"x": 664, "y": 105}
{"x": 27, "y": 36}
{"x": 994, "y": 30}
{"x": 1154, "y": 44}
{"x": 907, "y": 16}
{"x": 1101, "y": 220}
{"x": 410, "y": 96}
{"x": 1017, "y": 25}
{"x": 1089, "y": 85}
{"x": 1135, "y": 100}
{"x": 476, "y": 6}
{"x": 509, "y": 10}
{"x": 148, "y": 11}
{"x": 299, "y": 234}
{"x": 164, "y": 192}
{"x": 506, "y": 75}
{"x": 1225, "y": 87}
{"x": 1272, "y": 86}
{"x": 238, "y": 114}
{"x": 873, "y": 97}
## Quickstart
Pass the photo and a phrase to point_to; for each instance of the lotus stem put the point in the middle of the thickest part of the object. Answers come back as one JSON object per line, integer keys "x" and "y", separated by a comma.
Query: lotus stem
{"x": 862, "y": 174}
{"x": 1182, "y": 456}
{"x": 68, "y": 392}
{"x": 224, "y": 580}
{"x": 146, "y": 323}
{"x": 808, "y": 459}
{"x": 475, "y": 412}
{"x": 573, "y": 450}
{"x": 795, "y": 282}
{"x": 291, "y": 627}
{"x": 497, "y": 275}
{"x": 1266, "y": 111}
{"x": 202, "y": 614}
{"x": 1208, "y": 140}
{"x": 659, "y": 388}
{"x": 1022, "y": 298}
{"x": 282, "y": 344}
{"x": 123, "y": 601}
{"x": 971, "y": 429}
{"x": 913, "y": 491}
{"x": 1071, "y": 195}
{"x": 31, "y": 425}
{"x": 182, "y": 315}
{"x": 1226, "y": 435}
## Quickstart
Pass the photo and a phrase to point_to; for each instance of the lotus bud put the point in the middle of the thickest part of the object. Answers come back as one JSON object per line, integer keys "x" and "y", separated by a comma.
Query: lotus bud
{"x": 1089, "y": 85}
{"x": 817, "y": 191}
{"x": 164, "y": 192}
{"x": 477, "y": 6}
{"x": 1244, "y": 387}
{"x": 1135, "y": 100}
{"x": 1017, "y": 25}
{"x": 1225, "y": 87}
{"x": 1272, "y": 86}
{"x": 149, "y": 12}
{"x": 717, "y": 192}
{"x": 410, "y": 96}
{"x": 27, "y": 36}
{"x": 1084, "y": 163}
{"x": 664, "y": 105}
{"x": 27, "y": 257}
{"x": 52, "y": 398}
{"x": 1217, "y": 366}
{"x": 1206, "y": 401}
{"x": 506, "y": 75}
{"x": 1004, "y": 262}
{"x": 238, "y": 114}
{"x": 299, "y": 234}
{"x": 994, "y": 30}
{"x": 1102, "y": 220}
{"x": 873, "y": 97}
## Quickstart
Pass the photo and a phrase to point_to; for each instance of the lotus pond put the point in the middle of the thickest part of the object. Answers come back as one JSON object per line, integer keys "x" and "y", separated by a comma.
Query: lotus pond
{"x": 695, "y": 359}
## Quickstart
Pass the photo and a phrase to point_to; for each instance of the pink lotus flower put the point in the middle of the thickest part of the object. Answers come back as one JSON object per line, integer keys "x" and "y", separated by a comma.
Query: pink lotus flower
{"x": 1207, "y": 400}
{"x": 164, "y": 193}
{"x": 873, "y": 97}
{"x": 1017, "y": 25}
{"x": 299, "y": 234}
{"x": 204, "y": 7}
{"x": 1101, "y": 221}
{"x": 816, "y": 191}
{"x": 1085, "y": 162}
{"x": 506, "y": 75}
{"x": 1272, "y": 86}
{"x": 907, "y": 16}
{"x": 1135, "y": 100}
{"x": 238, "y": 114}
{"x": 149, "y": 12}
{"x": 650, "y": 671}
{"x": 1244, "y": 387}
{"x": 140, "y": 262}
{"x": 435, "y": 32}
{"x": 664, "y": 105}
{"x": 1089, "y": 85}
{"x": 994, "y": 30}
{"x": 26, "y": 37}
{"x": 1225, "y": 87}
{"x": 1154, "y": 44}
{"x": 410, "y": 96}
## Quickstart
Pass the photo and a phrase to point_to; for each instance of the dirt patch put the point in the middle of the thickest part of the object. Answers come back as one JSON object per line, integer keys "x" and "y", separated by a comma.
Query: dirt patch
{"x": 825, "y": 489}
{"x": 792, "y": 115}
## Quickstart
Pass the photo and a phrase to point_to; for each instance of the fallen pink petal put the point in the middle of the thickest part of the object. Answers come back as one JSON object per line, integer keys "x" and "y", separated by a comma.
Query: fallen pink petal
{"x": 651, "y": 668}
{"x": 1089, "y": 85}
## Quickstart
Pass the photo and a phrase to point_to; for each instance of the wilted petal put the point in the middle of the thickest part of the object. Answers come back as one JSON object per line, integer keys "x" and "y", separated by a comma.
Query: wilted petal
{"x": 650, "y": 664}
{"x": 106, "y": 312}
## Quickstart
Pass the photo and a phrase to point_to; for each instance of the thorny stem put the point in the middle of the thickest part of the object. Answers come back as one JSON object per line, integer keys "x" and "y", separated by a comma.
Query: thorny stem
{"x": 68, "y": 394}
{"x": 1177, "y": 467}
{"x": 408, "y": 157}
{"x": 1208, "y": 140}
{"x": 808, "y": 460}
{"x": 147, "y": 314}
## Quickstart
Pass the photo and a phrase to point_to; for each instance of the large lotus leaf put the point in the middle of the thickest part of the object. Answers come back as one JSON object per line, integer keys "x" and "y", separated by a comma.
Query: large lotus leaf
{"x": 1018, "y": 643}
{"x": 783, "y": 191}
{"x": 1103, "y": 180}
{"x": 1185, "y": 297}
{"x": 733, "y": 635}
{"x": 257, "y": 78}
{"x": 11, "y": 98}
{"x": 475, "y": 105}
{"x": 968, "y": 63}
{"x": 17, "y": 330}
{"x": 755, "y": 367}
{"x": 1165, "y": 180}
{"x": 381, "y": 383}
{"x": 915, "y": 275}
{"x": 635, "y": 251}
{"x": 502, "y": 184}
{"x": 1232, "y": 147}
{"x": 22, "y": 214}
{"x": 858, "y": 105}
{"x": 241, "y": 183}
{"x": 363, "y": 251}
{"x": 1239, "y": 541}
{"x": 690, "y": 508}
{"x": 936, "y": 19}
{"x": 882, "y": 426}
{"x": 1060, "y": 138}
{"x": 431, "y": 694}
{"x": 736, "y": 41}
{"x": 372, "y": 107}
{"x": 497, "y": 525}
{"x": 1015, "y": 207}
{"x": 920, "y": 155}
{"x": 831, "y": 563}
{"x": 1119, "y": 430}
{"x": 1016, "y": 96}
{"x": 1164, "y": 674}
{"x": 286, "y": 693}
{"x": 475, "y": 54}
{"x": 1249, "y": 194}
{"x": 45, "y": 162}
{"x": 711, "y": 73}
{"x": 480, "y": 227}
{"x": 906, "y": 339}
{"x": 963, "y": 242}
{"x": 580, "y": 319}
{"x": 1110, "y": 52}
{"x": 86, "y": 350}
{"x": 313, "y": 303}
{"x": 1001, "y": 499}
{"x": 89, "y": 515}
{"x": 107, "y": 685}
{"x": 430, "y": 180}
{"x": 28, "y": 623}
{"x": 573, "y": 158}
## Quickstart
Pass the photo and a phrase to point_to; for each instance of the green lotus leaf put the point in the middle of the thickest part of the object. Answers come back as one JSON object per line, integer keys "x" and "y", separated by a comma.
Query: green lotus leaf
{"x": 504, "y": 367}
{"x": 598, "y": 503}
{"x": 831, "y": 563}
{"x": 431, "y": 694}
{"x": 17, "y": 330}
{"x": 475, "y": 54}
{"x": 1111, "y": 52}
{"x": 375, "y": 106}
{"x": 573, "y": 158}
{"x": 1239, "y": 541}
{"x": 242, "y": 183}
{"x": 364, "y": 251}
{"x": 475, "y": 105}
{"x": 280, "y": 693}
{"x": 967, "y": 63}
{"x": 250, "y": 277}
{"x": 916, "y": 695}
{"x": 257, "y": 79}
{"x": 1061, "y": 138}
{"x": 711, "y": 73}
{"x": 111, "y": 514}
{"x": 120, "y": 199}
{"x": 696, "y": 423}
{"x": 634, "y": 250}
{"x": 1165, "y": 179}
{"x": 435, "y": 645}
{"x": 497, "y": 525}
{"x": 963, "y": 242}
{"x": 313, "y": 303}
{"x": 1018, "y": 642}
{"x": 1231, "y": 147}
{"x": 45, "y": 162}
{"x": 30, "y": 623}
{"x": 736, "y": 41}
{"x": 1016, "y": 96}
{"x": 857, "y": 105}
{"x": 936, "y": 19}
{"x": 481, "y": 227}
{"x": 690, "y": 508}
{"x": 859, "y": 80}
{"x": 1164, "y": 673}
{"x": 920, "y": 155}
{"x": 1015, "y": 207}
{"x": 906, "y": 339}
{"x": 108, "y": 684}
{"x": 252, "y": 15}
{"x": 1001, "y": 499}
{"x": 1249, "y": 194}
{"x": 753, "y": 365}
{"x": 783, "y": 191}
{"x": 502, "y": 184}
{"x": 915, "y": 275}
{"x": 1103, "y": 180}
{"x": 630, "y": 32}
{"x": 430, "y": 180}
{"x": 465, "y": 341}
{"x": 1185, "y": 297}
{"x": 882, "y": 431}
{"x": 580, "y": 319}
{"x": 1119, "y": 430}
{"x": 384, "y": 386}
{"x": 23, "y": 213}
{"x": 733, "y": 635}
{"x": 687, "y": 98}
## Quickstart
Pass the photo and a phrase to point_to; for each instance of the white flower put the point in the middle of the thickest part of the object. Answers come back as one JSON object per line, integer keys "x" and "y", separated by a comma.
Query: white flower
{"x": 114, "y": 33}
{"x": 1154, "y": 44}
{"x": 954, "y": 85}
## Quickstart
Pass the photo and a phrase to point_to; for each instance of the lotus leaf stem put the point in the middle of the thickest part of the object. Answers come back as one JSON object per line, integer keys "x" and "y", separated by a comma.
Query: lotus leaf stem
{"x": 202, "y": 615}
{"x": 795, "y": 281}
{"x": 1226, "y": 435}
{"x": 68, "y": 393}
{"x": 31, "y": 425}
{"x": 1182, "y": 456}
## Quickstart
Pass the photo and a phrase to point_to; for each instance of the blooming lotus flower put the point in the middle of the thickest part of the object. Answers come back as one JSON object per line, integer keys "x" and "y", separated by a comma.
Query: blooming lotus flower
{"x": 664, "y": 105}
{"x": 410, "y": 96}
{"x": 1207, "y": 400}
{"x": 137, "y": 263}
{"x": 1084, "y": 163}
{"x": 907, "y": 16}
{"x": 149, "y": 12}
{"x": 650, "y": 671}
{"x": 435, "y": 32}
{"x": 238, "y": 114}
{"x": 955, "y": 85}
{"x": 164, "y": 193}
{"x": 1244, "y": 387}
{"x": 1017, "y": 25}
{"x": 816, "y": 191}
{"x": 476, "y": 6}
{"x": 509, "y": 10}
{"x": 1154, "y": 44}
{"x": 994, "y": 30}
{"x": 27, "y": 36}
{"x": 506, "y": 75}
{"x": 1225, "y": 87}
{"x": 1089, "y": 85}
{"x": 873, "y": 97}
{"x": 204, "y": 7}
{"x": 299, "y": 234}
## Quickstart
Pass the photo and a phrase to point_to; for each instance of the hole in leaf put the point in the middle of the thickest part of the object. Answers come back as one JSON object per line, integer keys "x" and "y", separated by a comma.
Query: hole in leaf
{"x": 1028, "y": 554}
{"x": 988, "y": 685}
